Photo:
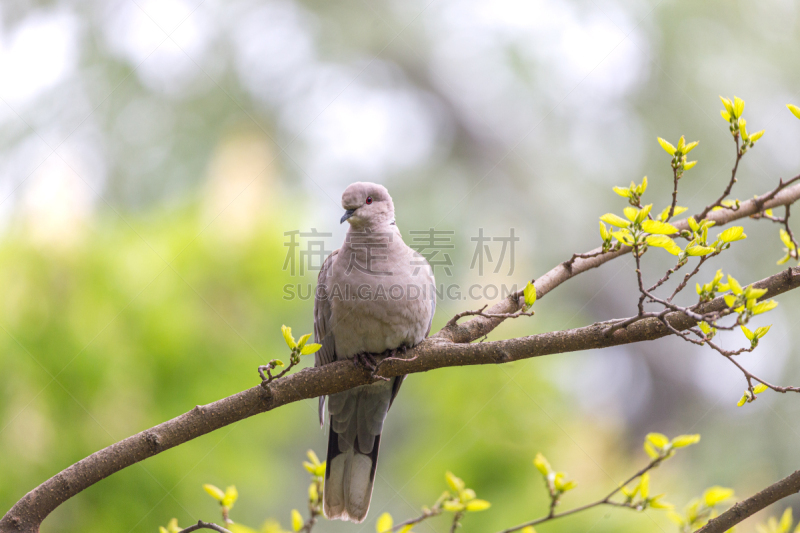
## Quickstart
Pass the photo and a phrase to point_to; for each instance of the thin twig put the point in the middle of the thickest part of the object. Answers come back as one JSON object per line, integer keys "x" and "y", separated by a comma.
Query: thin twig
{"x": 479, "y": 312}
{"x": 427, "y": 513}
{"x": 690, "y": 275}
{"x": 456, "y": 519}
{"x": 205, "y": 525}
{"x": 674, "y": 203}
{"x": 727, "y": 192}
{"x": 568, "y": 263}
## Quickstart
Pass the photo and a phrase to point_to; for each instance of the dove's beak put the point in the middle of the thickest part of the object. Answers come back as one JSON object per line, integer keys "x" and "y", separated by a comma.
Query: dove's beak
{"x": 347, "y": 214}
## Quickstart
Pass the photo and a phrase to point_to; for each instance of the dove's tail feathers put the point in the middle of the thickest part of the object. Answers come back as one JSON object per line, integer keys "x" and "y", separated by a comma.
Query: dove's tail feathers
{"x": 349, "y": 477}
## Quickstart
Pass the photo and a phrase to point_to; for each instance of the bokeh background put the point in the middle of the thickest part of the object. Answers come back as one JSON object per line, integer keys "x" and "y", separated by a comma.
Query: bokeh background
{"x": 154, "y": 153}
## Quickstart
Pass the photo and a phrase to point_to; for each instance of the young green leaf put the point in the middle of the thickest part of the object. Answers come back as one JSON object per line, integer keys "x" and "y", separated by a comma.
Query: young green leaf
{"x": 786, "y": 521}
{"x": 659, "y": 228}
{"x": 743, "y": 399}
{"x": 659, "y": 440}
{"x": 453, "y": 506}
{"x": 747, "y": 333}
{"x": 682, "y": 441}
{"x": 760, "y": 332}
{"x": 287, "y": 336}
{"x": 758, "y": 389}
{"x": 659, "y": 241}
{"x": 214, "y": 492}
{"x": 738, "y": 106}
{"x": 529, "y": 293}
{"x": 666, "y": 146}
{"x": 734, "y": 285}
{"x": 385, "y": 523}
{"x": 604, "y": 234}
{"x": 787, "y": 239}
{"x": 625, "y": 193}
{"x": 478, "y": 505}
{"x": 542, "y": 465}
{"x": 727, "y": 103}
{"x": 751, "y": 293}
{"x": 312, "y": 457}
{"x": 695, "y": 251}
{"x": 763, "y": 307}
{"x": 665, "y": 213}
{"x": 231, "y": 495}
{"x": 308, "y": 349}
{"x": 794, "y": 109}
{"x": 716, "y": 494}
{"x": 650, "y": 450}
{"x": 455, "y": 483}
{"x": 735, "y": 233}
{"x": 303, "y": 340}
{"x": 643, "y": 212}
{"x": 656, "y": 503}
{"x": 297, "y": 520}
{"x": 624, "y": 236}
{"x": 615, "y": 220}
{"x": 644, "y": 485}
{"x": 677, "y": 519}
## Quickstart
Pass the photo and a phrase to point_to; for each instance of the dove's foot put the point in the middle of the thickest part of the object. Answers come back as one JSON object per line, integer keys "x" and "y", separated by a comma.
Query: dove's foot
{"x": 368, "y": 362}
{"x": 394, "y": 352}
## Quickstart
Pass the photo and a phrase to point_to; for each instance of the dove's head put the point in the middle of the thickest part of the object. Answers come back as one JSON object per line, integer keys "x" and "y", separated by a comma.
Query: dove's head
{"x": 367, "y": 205}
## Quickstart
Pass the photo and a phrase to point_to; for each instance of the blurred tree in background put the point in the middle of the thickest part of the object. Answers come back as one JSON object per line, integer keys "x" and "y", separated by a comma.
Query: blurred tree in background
{"x": 153, "y": 155}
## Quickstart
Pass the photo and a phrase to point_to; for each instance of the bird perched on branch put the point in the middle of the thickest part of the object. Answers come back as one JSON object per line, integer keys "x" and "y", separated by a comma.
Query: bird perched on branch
{"x": 375, "y": 295}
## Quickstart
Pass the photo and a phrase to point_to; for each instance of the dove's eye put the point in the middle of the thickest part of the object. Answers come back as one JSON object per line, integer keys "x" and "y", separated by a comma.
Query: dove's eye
{"x": 369, "y": 200}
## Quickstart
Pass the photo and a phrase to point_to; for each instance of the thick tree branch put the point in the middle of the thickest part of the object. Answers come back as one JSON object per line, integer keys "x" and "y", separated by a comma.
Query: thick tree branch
{"x": 777, "y": 491}
{"x": 449, "y": 347}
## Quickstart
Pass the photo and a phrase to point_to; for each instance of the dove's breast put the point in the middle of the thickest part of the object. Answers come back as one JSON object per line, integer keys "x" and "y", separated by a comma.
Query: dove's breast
{"x": 384, "y": 307}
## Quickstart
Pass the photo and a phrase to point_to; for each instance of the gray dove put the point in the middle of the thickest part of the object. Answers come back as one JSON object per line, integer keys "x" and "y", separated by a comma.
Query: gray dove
{"x": 374, "y": 295}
